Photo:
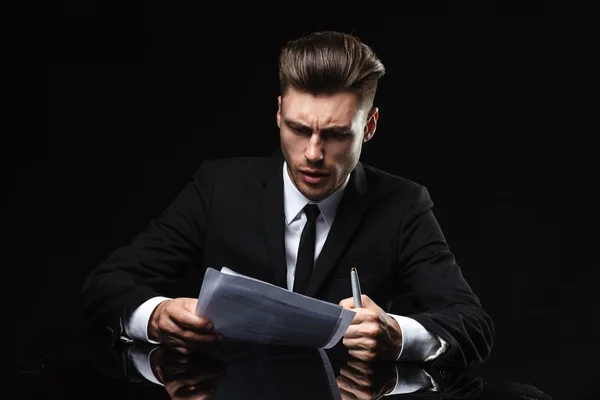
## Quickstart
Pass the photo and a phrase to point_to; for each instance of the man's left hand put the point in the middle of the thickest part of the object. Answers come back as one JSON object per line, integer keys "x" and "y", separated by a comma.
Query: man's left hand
{"x": 372, "y": 334}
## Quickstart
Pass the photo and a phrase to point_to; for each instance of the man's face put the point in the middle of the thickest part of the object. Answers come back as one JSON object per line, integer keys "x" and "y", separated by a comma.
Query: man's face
{"x": 321, "y": 138}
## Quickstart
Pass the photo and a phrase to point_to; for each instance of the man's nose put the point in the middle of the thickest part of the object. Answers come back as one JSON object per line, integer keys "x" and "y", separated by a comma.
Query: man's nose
{"x": 314, "y": 149}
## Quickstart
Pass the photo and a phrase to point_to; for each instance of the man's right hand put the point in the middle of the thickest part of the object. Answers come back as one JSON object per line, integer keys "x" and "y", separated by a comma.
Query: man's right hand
{"x": 175, "y": 324}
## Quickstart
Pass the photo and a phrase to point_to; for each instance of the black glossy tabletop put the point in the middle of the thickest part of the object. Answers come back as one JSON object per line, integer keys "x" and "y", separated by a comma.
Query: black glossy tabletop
{"x": 86, "y": 365}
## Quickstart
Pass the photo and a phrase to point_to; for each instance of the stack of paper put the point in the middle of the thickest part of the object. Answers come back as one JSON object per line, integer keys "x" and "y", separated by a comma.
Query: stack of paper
{"x": 247, "y": 309}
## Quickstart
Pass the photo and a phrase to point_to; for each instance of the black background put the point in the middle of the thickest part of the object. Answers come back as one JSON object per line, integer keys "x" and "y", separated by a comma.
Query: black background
{"x": 498, "y": 120}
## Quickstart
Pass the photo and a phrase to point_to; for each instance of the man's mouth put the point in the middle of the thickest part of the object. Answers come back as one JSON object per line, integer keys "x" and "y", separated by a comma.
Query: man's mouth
{"x": 313, "y": 177}
{"x": 313, "y": 172}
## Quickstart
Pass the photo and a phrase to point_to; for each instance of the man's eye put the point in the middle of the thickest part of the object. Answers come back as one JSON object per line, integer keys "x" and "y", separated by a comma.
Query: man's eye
{"x": 301, "y": 131}
{"x": 338, "y": 135}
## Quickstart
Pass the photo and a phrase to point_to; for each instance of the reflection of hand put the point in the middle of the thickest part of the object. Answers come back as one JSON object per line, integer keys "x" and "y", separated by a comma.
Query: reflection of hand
{"x": 192, "y": 377}
{"x": 372, "y": 334}
{"x": 174, "y": 323}
{"x": 362, "y": 380}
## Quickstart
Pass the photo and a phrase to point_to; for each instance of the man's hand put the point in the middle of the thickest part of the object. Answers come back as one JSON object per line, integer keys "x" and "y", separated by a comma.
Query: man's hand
{"x": 175, "y": 324}
{"x": 186, "y": 377}
{"x": 372, "y": 334}
{"x": 368, "y": 381}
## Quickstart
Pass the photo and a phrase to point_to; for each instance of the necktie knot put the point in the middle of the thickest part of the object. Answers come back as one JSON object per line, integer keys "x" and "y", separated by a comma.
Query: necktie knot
{"x": 312, "y": 212}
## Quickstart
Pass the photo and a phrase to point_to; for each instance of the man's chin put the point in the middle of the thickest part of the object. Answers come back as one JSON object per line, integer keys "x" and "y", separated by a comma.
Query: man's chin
{"x": 313, "y": 193}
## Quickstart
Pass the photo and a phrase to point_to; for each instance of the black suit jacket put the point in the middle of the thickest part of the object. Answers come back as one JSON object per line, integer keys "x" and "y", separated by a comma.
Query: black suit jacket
{"x": 231, "y": 214}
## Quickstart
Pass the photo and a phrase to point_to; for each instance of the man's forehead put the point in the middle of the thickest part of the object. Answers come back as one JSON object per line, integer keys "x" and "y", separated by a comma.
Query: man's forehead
{"x": 338, "y": 109}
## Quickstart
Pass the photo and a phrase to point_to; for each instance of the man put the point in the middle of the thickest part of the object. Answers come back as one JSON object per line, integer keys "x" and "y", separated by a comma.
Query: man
{"x": 249, "y": 214}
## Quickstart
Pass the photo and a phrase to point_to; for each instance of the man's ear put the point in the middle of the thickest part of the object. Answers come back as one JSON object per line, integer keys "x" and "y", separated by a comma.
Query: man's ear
{"x": 279, "y": 111}
{"x": 371, "y": 125}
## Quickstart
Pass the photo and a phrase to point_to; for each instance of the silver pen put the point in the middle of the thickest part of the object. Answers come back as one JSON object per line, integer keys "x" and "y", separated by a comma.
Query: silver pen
{"x": 355, "y": 288}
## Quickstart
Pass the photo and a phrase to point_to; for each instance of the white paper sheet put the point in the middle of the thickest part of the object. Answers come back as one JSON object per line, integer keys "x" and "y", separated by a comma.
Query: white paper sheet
{"x": 247, "y": 309}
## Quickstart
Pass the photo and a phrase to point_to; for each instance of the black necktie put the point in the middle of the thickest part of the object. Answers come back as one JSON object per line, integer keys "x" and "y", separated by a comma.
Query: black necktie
{"x": 306, "y": 250}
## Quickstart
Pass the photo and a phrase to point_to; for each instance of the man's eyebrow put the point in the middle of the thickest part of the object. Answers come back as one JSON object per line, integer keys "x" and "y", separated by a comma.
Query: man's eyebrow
{"x": 297, "y": 124}
{"x": 338, "y": 128}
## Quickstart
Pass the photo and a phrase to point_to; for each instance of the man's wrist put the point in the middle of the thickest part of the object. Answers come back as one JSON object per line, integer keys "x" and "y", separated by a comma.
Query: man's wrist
{"x": 137, "y": 322}
{"x": 153, "y": 321}
{"x": 418, "y": 344}
{"x": 397, "y": 336}
{"x": 155, "y": 364}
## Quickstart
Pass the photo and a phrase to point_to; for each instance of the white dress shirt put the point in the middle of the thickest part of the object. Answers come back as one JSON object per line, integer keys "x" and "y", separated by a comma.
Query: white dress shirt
{"x": 418, "y": 344}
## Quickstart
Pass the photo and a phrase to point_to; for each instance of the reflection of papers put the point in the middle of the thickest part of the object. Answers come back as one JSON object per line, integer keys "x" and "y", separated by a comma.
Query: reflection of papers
{"x": 245, "y": 371}
{"x": 289, "y": 374}
{"x": 247, "y": 309}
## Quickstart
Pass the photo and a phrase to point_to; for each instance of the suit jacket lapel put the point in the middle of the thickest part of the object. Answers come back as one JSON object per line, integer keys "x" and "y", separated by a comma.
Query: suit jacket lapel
{"x": 273, "y": 217}
{"x": 347, "y": 218}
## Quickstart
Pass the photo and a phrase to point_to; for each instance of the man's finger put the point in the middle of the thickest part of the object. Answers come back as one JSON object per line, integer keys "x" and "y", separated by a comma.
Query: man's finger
{"x": 347, "y": 303}
{"x": 181, "y": 359}
{"x": 362, "y": 329}
{"x": 353, "y": 331}
{"x": 353, "y": 389}
{"x": 346, "y": 395}
{"x": 358, "y": 377}
{"x": 358, "y": 317}
{"x": 364, "y": 315}
{"x": 194, "y": 338}
{"x": 364, "y": 355}
{"x": 366, "y": 301}
{"x": 180, "y": 348}
{"x": 174, "y": 335}
{"x": 167, "y": 329}
{"x": 189, "y": 303}
{"x": 360, "y": 343}
{"x": 193, "y": 322}
{"x": 346, "y": 383}
{"x": 172, "y": 340}
{"x": 361, "y": 366}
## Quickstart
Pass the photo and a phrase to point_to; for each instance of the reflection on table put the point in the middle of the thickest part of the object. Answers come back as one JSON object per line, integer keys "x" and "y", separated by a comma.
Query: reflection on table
{"x": 236, "y": 370}
{"x": 80, "y": 366}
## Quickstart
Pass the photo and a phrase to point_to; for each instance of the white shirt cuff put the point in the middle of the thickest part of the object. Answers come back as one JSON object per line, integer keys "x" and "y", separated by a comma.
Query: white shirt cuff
{"x": 418, "y": 344}
{"x": 141, "y": 361}
{"x": 411, "y": 380}
{"x": 136, "y": 326}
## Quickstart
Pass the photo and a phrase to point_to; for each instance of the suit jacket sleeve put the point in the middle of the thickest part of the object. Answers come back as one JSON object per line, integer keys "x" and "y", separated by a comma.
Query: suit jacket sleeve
{"x": 432, "y": 289}
{"x": 160, "y": 255}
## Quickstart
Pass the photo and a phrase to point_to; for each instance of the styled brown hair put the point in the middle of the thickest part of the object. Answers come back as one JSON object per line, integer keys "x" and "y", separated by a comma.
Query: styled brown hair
{"x": 328, "y": 62}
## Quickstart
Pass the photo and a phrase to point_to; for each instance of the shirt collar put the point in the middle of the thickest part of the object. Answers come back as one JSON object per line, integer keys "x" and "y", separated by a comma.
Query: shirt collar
{"x": 294, "y": 201}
